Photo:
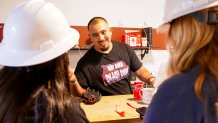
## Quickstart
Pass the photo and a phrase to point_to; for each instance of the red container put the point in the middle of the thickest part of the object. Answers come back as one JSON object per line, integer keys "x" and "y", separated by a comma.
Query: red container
{"x": 137, "y": 90}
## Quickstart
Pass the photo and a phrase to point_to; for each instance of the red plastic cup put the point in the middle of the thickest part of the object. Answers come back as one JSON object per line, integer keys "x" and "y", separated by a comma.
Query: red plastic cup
{"x": 137, "y": 90}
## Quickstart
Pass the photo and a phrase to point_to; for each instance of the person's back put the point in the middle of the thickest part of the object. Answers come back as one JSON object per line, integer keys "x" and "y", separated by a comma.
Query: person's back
{"x": 37, "y": 94}
{"x": 190, "y": 94}
{"x": 176, "y": 101}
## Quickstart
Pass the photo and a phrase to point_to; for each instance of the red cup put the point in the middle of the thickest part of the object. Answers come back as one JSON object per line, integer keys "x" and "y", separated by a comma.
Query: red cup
{"x": 137, "y": 90}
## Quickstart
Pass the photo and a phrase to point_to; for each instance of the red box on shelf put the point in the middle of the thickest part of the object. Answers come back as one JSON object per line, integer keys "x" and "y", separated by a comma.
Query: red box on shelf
{"x": 133, "y": 39}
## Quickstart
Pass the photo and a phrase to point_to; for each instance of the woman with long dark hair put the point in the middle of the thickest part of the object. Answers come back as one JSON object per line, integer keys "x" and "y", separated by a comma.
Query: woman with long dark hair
{"x": 34, "y": 82}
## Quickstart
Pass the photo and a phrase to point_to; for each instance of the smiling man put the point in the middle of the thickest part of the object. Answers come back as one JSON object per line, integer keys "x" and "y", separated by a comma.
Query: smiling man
{"x": 100, "y": 34}
{"x": 107, "y": 65}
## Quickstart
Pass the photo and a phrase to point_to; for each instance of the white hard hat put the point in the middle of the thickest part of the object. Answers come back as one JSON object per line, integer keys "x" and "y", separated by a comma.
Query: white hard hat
{"x": 35, "y": 32}
{"x": 178, "y": 8}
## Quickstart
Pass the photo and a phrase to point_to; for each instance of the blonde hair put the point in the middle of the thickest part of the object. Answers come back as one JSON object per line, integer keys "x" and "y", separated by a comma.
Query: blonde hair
{"x": 190, "y": 43}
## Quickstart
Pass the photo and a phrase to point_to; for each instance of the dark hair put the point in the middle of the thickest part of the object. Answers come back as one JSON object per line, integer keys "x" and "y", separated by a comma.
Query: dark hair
{"x": 96, "y": 19}
{"x": 36, "y": 93}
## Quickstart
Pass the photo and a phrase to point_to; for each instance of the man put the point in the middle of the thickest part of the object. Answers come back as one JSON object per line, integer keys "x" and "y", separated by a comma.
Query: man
{"x": 107, "y": 65}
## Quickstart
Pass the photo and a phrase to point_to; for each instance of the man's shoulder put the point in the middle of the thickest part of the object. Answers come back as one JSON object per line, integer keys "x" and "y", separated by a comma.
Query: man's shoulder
{"x": 87, "y": 56}
{"x": 120, "y": 44}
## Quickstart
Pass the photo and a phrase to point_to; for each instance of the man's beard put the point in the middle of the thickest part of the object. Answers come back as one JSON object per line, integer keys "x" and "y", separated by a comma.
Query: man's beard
{"x": 104, "y": 49}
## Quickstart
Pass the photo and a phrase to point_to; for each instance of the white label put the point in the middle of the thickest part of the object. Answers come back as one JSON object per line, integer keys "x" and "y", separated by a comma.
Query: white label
{"x": 144, "y": 42}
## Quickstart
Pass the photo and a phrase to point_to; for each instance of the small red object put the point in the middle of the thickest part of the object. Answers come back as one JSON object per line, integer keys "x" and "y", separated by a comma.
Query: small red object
{"x": 121, "y": 113}
{"x": 131, "y": 106}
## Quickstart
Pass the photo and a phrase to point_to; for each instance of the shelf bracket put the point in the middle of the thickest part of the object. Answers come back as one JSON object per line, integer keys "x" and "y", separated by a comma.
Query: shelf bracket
{"x": 143, "y": 52}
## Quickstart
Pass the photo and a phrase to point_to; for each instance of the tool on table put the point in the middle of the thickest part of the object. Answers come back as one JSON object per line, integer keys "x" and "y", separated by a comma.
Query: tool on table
{"x": 140, "y": 110}
{"x": 121, "y": 113}
{"x": 131, "y": 106}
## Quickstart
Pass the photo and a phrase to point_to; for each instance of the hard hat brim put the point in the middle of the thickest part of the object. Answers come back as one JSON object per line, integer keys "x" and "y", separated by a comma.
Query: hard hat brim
{"x": 169, "y": 17}
{"x": 19, "y": 59}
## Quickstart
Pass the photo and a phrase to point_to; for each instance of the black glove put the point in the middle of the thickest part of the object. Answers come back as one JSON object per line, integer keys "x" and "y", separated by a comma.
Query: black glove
{"x": 91, "y": 96}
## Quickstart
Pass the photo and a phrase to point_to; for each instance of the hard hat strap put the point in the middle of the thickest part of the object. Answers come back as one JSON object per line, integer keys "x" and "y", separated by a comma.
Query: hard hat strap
{"x": 210, "y": 17}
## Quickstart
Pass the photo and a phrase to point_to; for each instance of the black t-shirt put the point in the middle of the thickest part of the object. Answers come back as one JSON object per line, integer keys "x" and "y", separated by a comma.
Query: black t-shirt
{"x": 108, "y": 73}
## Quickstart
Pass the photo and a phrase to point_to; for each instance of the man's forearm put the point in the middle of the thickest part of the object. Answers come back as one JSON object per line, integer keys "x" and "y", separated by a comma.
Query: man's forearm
{"x": 76, "y": 89}
{"x": 144, "y": 75}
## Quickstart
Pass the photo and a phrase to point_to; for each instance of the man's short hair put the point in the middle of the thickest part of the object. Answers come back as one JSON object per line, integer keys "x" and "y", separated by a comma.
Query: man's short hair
{"x": 95, "y": 20}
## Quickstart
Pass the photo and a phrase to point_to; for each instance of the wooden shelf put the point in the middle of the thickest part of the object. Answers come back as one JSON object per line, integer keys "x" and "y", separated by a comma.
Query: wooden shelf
{"x": 77, "y": 48}
{"x": 85, "y": 47}
{"x": 144, "y": 50}
{"x": 140, "y": 48}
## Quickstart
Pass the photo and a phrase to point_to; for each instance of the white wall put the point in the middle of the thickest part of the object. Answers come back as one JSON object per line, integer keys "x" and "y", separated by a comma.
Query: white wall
{"x": 119, "y": 13}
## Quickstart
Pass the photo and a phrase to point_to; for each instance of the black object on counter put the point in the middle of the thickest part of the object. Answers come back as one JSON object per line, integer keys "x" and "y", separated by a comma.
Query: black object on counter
{"x": 141, "y": 111}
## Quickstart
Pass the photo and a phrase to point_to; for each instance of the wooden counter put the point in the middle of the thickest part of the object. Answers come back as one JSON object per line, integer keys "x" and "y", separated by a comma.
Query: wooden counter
{"x": 103, "y": 111}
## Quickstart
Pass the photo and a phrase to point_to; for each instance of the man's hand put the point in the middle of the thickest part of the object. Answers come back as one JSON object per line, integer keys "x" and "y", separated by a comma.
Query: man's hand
{"x": 75, "y": 88}
{"x": 71, "y": 75}
{"x": 151, "y": 81}
{"x": 91, "y": 96}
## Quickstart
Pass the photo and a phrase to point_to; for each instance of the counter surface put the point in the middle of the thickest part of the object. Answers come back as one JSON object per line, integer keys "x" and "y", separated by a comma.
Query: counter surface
{"x": 104, "y": 110}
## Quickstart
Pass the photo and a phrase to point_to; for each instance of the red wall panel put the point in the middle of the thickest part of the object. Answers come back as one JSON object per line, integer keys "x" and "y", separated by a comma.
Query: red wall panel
{"x": 1, "y": 31}
{"x": 158, "y": 40}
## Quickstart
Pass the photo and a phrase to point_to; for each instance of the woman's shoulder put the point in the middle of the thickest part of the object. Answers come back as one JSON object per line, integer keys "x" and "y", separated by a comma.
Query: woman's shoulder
{"x": 178, "y": 82}
{"x": 183, "y": 79}
{"x": 176, "y": 97}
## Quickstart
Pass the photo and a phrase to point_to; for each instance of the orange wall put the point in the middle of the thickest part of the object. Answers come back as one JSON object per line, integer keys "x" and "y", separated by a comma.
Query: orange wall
{"x": 158, "y": 40}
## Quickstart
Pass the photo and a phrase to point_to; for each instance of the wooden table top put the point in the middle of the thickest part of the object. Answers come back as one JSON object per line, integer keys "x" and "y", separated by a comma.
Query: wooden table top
{"x": 104, "y": 110}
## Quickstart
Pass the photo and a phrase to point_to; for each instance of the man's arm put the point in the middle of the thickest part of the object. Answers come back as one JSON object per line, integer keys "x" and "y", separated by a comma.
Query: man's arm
{"x": 143, "y": 74}
{"x": 75, "y": 88}
{"x": 88, "y": 96}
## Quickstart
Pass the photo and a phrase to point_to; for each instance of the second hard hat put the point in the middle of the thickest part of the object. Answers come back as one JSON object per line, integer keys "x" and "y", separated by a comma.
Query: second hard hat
{"x": 177, "y": 8}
